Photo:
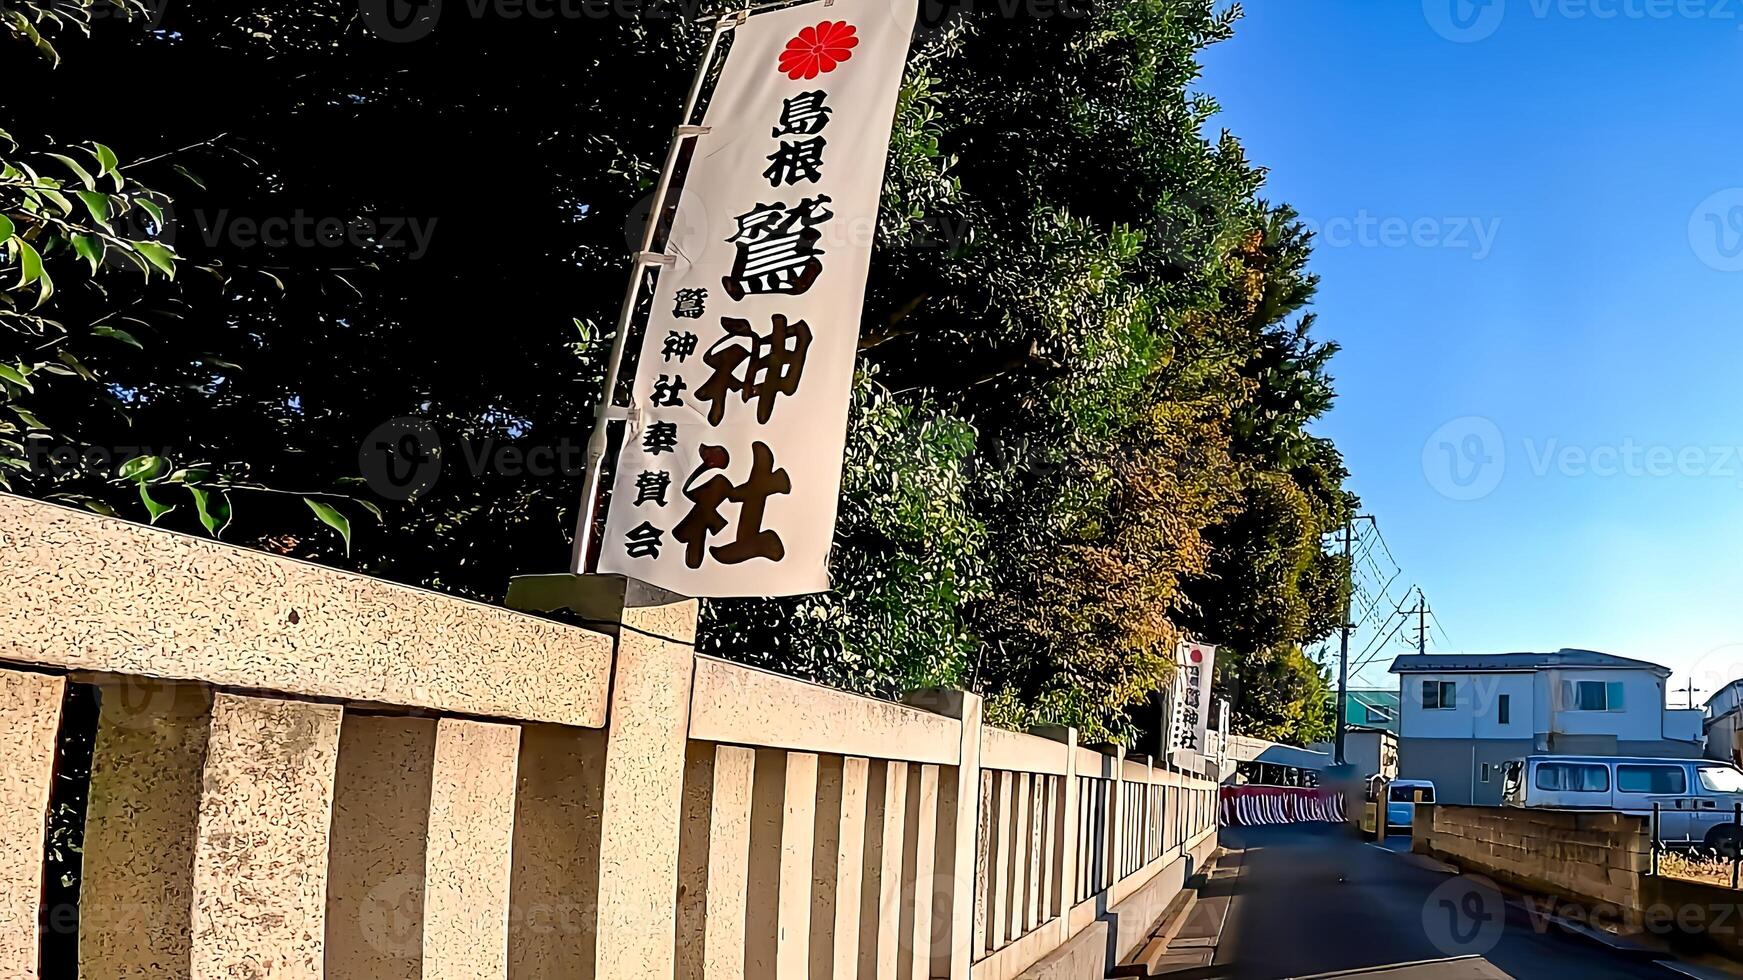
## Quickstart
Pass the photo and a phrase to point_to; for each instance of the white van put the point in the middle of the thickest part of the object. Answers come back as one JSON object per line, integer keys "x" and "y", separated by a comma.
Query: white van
{"x": 1697, "y": 798}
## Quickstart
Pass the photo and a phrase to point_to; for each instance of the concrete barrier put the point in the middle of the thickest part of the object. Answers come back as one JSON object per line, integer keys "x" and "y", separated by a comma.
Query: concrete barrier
{"x": 1593, "y": 858}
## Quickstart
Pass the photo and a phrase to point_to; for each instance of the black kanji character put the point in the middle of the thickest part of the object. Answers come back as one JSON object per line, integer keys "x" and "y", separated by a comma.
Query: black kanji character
{"x": 803, "y": 115}
{"x": 643, "y": 541}
{"x": 679, "y": 345}
{"x": 796, "y": 161}
{"x": 661, "y": 437}
{"x": 751, "y": 540}
{"x": 650, "y": 485}
{"x": 777, "y": 248}
{"x": 667, "y": 390}
{"x": 756, "y": 367}
{"x": 689, "y": 304}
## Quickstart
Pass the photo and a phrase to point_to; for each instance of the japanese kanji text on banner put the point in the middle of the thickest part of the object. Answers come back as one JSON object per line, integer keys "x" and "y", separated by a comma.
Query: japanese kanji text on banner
{"x": 731, "y": 463}
{"x": 1194, "y": 664}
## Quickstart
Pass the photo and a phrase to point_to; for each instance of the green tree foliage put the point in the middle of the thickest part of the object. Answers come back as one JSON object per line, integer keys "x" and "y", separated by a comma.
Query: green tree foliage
{"x": 1082, "y": 424}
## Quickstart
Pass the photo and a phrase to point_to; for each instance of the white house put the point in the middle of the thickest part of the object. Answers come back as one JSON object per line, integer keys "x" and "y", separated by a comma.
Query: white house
{"x": 1723, "y": 712}
{"x": 1462, "y": 716}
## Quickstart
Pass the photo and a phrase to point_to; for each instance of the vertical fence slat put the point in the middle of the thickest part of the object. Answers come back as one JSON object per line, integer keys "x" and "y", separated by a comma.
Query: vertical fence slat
{"x": 136, "y": 891}
{"x": 799, "y": 816}
{"x": 920, "y": 854}
{"x": 1070, "y": 831}
{"x": 998, "y": 916}
{"x": 1034, "y": 846}
{"x": 30, "y": 715}
{"x": 260, "y": 858}
{"x": 467, "y": 862}
{"x": 880, "y": 920}
{"x": 1049, "y": 903}
{"x": 985, "y": 854}
{"x": 728, "y": 863}
{"x": 1020, "y": 793}
{"x": 849, "y": 870}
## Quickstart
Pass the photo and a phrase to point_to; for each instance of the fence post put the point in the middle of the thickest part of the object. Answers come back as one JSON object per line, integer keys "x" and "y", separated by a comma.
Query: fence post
{"x": 647, "y": 731}
{"x": 958, "y": 824}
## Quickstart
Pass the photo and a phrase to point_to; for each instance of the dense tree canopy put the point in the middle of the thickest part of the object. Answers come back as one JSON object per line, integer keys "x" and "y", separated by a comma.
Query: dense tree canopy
{"x": 1081, "y": 426}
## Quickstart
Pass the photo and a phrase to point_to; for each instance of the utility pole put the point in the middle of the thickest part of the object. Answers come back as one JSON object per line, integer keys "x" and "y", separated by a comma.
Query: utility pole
{"x": 1337, "y": 757}
{"x": 1421, "y": 622}
{"x": 1689, "y": 691}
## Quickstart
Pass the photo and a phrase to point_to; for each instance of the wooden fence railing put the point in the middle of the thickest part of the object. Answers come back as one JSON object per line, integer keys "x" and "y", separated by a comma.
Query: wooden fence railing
{"x": 301, "y": 773}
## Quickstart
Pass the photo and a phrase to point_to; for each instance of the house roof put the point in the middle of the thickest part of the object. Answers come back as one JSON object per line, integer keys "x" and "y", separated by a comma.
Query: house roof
{"x": 1417, "y": 663}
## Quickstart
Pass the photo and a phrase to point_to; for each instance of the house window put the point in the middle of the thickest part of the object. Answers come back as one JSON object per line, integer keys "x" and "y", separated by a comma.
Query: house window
{"x": 1572, "y": 777}
{"x": 1439, "y": 694}
{"x": 1652, "y": 779}
{"x": 1485, "y": 772}
{"x": 1377, "y": 715}
{"x": 1503, "y": 713}
{"x": 1591, "y": 695}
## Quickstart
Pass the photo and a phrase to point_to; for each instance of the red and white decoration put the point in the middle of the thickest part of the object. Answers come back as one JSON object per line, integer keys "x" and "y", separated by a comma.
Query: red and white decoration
{"x": 1252, "y": 806}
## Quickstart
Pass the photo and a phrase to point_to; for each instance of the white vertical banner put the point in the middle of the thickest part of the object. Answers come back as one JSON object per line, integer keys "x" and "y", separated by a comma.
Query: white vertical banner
{"x": 730, "y": 470}
{"x": 1194, "y": 665}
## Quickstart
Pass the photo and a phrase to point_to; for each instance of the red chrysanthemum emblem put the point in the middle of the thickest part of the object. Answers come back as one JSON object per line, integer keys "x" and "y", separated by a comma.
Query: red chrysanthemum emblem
{"x": 815, "y": 50}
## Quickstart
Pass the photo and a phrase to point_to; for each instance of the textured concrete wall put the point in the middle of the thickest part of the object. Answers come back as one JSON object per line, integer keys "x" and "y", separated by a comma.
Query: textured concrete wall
{"x": 260, "y": 862}
{"x": 30, "y": 712}
{"x": 1582, "y": 855}
{"x": 88, "y": 592}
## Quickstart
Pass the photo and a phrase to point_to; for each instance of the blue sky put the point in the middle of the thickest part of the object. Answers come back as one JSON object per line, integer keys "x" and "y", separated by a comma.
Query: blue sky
{"x": 1532, "y": 254}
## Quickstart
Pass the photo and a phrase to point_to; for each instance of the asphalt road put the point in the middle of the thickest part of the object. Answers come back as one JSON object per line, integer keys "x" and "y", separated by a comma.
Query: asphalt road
{"x": 1314, "y": 899}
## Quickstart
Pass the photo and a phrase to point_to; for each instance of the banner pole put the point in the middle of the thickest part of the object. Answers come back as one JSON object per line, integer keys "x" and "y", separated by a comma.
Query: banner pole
{"x": 584, "y": 559}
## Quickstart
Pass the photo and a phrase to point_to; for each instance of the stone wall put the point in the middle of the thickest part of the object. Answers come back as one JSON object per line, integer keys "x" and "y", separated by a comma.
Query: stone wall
{"x": 1588, "y": 857}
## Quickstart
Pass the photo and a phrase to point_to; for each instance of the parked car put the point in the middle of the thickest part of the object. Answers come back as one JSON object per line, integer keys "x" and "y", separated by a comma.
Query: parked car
{"x": 1402, "y": 795}
{"x": 1697, "y": 798}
